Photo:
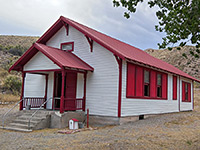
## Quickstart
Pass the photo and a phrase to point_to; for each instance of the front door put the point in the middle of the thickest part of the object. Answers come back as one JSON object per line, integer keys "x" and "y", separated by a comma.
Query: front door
{"x": 70, "y": 91}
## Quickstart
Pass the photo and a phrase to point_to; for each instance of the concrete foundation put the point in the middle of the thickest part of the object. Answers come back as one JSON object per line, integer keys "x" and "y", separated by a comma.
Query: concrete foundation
{"x": 62, "y": 120}
{"x": 54, "y": 119}
{"x": 44, "y": 123}
{"x": 103, "y": 121}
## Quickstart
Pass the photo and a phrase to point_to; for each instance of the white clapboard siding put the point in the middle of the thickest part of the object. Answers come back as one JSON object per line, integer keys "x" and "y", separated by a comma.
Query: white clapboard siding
{"x": 50, "y": 89}
{"x": 40, "y": 62}
{"x": 102, "y": 84}
{"x": 185, "y": 106}
{"x": 131, "y": 107}
{"x": 34, "y": 85}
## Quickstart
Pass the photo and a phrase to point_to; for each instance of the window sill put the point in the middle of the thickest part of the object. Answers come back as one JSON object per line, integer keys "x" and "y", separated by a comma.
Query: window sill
{"x": 186, "y": 101}
{"x": 150, "y": 98}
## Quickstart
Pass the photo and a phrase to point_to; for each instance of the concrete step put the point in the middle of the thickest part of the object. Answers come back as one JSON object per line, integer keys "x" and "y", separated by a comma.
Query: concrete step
{"x": 35, "y": 118}
{"x": 17, "y": 129}
{"x": 22, "y": 121}
{"x": 37, "y": 114}
{"x": 19, "y": 125}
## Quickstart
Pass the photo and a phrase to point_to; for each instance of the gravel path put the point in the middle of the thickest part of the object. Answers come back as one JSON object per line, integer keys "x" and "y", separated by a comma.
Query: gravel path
{"x": 168, "y": 131}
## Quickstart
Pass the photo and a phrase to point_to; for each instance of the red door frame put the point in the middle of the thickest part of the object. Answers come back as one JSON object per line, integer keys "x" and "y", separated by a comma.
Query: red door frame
{"x": 63, "y": 92}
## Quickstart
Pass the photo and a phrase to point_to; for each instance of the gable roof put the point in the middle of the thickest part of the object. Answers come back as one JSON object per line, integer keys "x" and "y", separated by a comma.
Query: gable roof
{"x": 59, "y": 57}
{"x": 119, "y": 48}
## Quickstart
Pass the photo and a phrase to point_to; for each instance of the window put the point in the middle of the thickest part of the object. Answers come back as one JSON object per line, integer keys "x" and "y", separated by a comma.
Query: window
{"x": 146, "y": 82}
{"x": 174, "y": 87}
{"x": 186, "y": 92}
{"x": 69, "y": 46}
{"x": 159, "y": 85}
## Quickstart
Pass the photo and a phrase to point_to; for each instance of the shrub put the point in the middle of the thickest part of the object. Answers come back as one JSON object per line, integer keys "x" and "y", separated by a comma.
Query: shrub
{"x": 15, "y": 51}
{"x": 13, "y": 84}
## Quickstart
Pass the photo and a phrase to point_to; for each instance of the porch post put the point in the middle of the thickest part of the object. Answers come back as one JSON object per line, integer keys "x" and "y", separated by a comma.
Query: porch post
{"x": 84, "y": 96}
{"x": 46, "y": 88}
{"x": 62, "y": 92}
{"x": 22, "y": 91}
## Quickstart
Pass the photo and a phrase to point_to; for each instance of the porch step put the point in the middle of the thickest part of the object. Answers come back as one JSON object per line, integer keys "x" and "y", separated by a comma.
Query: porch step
{"x": 20, "y": 123}
{"x": 25, "y": 121}
{"x": 17, "y": 129}
{"x": 35, "y": 118}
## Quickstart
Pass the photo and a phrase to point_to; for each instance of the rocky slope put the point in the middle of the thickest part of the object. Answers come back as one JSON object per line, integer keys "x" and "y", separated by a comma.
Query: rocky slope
{"x": 11, "y": 47}
{"x": 11, "y": 40}
{"x": 190, "y": 65}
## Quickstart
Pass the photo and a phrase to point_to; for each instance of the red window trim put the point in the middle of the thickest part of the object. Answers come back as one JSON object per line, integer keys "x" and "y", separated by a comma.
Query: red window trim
{"x": 174, "y": 87}
{"x": 189, "y": 92}
{"x": 146, "y": 97}
{"x": 67, "y": 43}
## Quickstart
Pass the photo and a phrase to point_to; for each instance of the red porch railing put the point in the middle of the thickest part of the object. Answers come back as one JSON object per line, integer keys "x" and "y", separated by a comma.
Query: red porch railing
{"x": 35, "y": 102}
{"x": 73, "y": 103}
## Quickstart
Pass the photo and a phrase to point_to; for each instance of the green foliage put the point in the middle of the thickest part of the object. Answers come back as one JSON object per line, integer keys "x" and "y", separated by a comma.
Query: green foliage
{"x": 179, "y": 19}
{"x": 15, "y": 50}
{"x": 169, "y": 48}
{"x": 10, "y": 63}
{"x": 13, "y": 84}
{"x": 184, "y": 55}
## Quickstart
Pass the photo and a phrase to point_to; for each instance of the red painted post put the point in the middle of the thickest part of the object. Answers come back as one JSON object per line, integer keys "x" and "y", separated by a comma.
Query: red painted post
{"x": 84, "y": 96}
{"x": 22, "y": 91}
{"x": 62, "y": 93}
{"x": 119, "y": 61}
{"x": 87, "y": 118}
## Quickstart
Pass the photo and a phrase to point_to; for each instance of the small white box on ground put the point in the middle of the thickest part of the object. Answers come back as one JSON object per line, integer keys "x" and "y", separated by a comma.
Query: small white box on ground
{"x": 73, "y": 124}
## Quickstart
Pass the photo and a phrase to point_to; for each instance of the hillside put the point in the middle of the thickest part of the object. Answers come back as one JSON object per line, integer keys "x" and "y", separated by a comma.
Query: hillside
{"x": 11, "y": 40}
{"x": 11, "y": 48}
{"x": 190, "y": 65}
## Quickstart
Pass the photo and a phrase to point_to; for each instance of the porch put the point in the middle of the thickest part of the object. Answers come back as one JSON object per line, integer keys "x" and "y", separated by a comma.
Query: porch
{"x": 59, "y": 90}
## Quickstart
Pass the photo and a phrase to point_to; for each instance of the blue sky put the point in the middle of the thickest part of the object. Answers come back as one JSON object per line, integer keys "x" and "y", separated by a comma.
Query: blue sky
{"x": 34, "y": 17}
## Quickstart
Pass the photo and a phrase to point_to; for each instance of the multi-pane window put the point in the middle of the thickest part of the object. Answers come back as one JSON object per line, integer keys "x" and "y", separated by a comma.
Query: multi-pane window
{"x": 159, "y": 85}
{"x": 67, "y": 46}
{"x": 174, "y": 87}
{"x": 146, "y": 83}
{"x": 186, "y": 92}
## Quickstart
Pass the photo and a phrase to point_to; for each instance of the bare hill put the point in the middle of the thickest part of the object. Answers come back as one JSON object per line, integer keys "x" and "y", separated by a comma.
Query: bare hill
{"x": 11, "y": 48}
{"x": 11, "y": 40}
{"x": 190, "y": 65}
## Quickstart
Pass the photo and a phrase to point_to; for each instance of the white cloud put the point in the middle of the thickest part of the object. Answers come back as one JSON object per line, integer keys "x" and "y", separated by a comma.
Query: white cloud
{"x": 39, "y": 15}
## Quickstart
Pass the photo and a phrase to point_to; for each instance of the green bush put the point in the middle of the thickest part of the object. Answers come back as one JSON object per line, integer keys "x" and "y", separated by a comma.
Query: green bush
{"x": 13, "y": 84}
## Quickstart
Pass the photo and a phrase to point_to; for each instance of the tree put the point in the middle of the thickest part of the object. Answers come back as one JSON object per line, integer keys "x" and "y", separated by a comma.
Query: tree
{"x": 179, "y": 19}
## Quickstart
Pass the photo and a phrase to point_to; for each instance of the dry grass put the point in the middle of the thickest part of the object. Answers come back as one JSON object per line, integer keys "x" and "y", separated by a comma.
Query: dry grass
{"x": 176, "y": 131}
{"x": 8, "y": 98}
{"x": 11, "y": 40}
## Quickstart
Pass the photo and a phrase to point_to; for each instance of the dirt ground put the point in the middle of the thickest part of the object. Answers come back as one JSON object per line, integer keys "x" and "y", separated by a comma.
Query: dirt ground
{"x": 176, "y": 131}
